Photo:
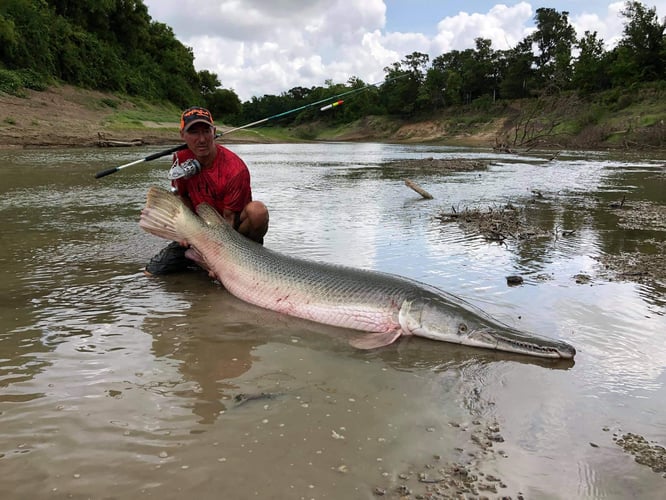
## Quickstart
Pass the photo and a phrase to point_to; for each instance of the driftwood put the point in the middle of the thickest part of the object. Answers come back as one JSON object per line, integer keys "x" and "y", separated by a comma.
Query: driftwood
{"x": 495, "y": 224}
{"x": 418, "y": 189}
{"x": 103, "y": 142}
{"x": 431, "y": 164}
{"x": 502, "y": 147}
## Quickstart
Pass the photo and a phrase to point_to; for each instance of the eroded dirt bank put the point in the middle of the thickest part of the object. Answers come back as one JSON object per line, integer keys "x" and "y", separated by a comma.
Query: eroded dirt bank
{"x": 64, "y": 116}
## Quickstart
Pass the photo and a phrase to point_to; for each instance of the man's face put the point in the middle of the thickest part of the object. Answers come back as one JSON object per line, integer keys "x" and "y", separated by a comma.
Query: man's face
{"x": 200, "y": 138}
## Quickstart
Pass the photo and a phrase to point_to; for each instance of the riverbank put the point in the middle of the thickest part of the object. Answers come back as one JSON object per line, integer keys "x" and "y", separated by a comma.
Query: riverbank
{"x": 66, "y": 116}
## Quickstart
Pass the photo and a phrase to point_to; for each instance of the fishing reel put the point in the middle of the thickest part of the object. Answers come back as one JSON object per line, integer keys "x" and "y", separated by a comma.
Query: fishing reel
{"x": 184, "y": 170}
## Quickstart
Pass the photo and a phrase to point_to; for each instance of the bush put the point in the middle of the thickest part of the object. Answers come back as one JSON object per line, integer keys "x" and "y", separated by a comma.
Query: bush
{"x": 15, "y": 82}
{"x": 10, "y": 82}
{"x": 592, "y": 116}
{"x": 108, "y": 102}
{"x": 483, "y": 103}
{"x": 32, "y": 80}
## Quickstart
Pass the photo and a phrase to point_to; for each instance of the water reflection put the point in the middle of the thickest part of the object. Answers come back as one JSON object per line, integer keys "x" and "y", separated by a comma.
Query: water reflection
{"x": 212, "y": 344}
{"x": 412, "y": 354}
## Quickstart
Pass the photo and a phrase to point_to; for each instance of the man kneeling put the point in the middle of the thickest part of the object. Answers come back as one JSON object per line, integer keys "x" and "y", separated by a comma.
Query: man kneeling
{"x": 208, "y": 172}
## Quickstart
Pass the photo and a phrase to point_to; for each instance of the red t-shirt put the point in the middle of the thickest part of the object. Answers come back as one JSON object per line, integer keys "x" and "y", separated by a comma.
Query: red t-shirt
{"x": 223, "y": 185}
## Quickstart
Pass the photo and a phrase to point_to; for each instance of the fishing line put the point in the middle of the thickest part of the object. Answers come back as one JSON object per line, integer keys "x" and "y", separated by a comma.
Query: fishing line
{"x": 180, "y": 147}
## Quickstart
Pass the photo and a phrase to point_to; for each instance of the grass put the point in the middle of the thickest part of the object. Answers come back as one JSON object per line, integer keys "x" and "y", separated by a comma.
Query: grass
{"x": 272, "y": 134}
{"x": 132, "y": 115}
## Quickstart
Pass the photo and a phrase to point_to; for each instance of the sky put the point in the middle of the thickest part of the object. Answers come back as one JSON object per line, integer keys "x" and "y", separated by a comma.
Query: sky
{"x": 266, "y": 47}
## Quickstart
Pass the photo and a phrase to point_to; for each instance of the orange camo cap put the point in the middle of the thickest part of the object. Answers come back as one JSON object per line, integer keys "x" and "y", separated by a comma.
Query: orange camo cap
{"x": 193, "y": 115}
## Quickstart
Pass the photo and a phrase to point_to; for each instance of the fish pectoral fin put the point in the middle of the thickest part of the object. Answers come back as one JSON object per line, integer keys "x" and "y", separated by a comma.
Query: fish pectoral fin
{"x": 375, "y": 340}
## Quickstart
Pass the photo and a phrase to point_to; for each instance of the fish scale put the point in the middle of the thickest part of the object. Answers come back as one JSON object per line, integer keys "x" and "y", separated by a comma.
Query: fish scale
{"x": 297, "y": 288}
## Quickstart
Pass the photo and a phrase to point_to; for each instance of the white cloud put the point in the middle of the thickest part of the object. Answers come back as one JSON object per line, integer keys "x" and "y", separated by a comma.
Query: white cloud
{"x": 608, "y": 26}
{"x": 505, "y": 26}
{"x": 259, "y": 47}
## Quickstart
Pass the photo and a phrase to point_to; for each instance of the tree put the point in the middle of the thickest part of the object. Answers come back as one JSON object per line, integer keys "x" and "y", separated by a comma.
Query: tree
{"x": 398, "y": 94}
{"x": 517, "y": 72}
{"x": 641, "y": 51}
{"x": 554, "y": 38}
{"x": 483, "y": 71}
{"x": 416, "y": 63}
{"x": 435, "y": 87}
{"x": 591, "y": 66}
{"x": 208, "y": 82}
{"x": 365, "y": 102}
{"x": 22, "y": 28}
{"x": 445, "y": 76}
{"x": 172, "y": 63}
{"x": 223, "y": 103}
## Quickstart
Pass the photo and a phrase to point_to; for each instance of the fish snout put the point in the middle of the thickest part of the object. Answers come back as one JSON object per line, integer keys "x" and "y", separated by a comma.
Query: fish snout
{"x": 522, "y": 344}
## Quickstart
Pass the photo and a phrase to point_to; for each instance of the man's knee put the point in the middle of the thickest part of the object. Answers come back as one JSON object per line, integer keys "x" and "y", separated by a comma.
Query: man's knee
{"x": 254, "y": 221}
{"x": 257, "y": 213}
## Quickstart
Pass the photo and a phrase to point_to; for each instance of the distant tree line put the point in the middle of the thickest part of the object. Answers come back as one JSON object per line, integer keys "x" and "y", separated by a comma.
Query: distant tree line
{"x": 114, "y": 45}
{"x": 551, "y": 60}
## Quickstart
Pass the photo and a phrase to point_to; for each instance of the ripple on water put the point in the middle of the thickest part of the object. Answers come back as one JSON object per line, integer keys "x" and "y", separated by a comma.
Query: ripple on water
{"x": 105, "y": 369}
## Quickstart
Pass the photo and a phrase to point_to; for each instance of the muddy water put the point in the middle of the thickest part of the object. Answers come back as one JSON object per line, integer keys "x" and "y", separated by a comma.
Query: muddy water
{"x": 113, "y": 385}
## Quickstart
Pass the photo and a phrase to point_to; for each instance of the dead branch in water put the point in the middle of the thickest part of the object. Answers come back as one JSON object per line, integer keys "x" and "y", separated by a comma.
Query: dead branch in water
{"x": 494, "y": 224}
{"x": 418, "y": 189}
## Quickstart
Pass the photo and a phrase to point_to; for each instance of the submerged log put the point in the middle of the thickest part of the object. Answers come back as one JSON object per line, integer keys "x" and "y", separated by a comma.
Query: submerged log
{"x": 425, "y": 194}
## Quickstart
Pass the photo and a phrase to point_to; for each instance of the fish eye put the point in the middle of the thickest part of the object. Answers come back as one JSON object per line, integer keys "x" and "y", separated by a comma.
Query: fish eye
{"x": 462, "y": 328}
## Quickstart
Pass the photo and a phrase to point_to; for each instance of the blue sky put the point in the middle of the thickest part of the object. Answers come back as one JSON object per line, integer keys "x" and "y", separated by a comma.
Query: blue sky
{"x": 418, "y": 15}
{"x": 259, "y": 47}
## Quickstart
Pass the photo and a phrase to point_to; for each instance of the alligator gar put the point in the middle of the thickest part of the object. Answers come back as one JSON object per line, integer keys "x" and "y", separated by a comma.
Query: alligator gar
{"x": 382, "y": 306}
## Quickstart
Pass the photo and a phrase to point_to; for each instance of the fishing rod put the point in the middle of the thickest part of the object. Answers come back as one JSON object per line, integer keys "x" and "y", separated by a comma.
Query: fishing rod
{"x": 180, "y": 147}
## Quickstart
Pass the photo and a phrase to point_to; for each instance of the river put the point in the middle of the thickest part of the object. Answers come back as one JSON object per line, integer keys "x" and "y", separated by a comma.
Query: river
{"x": 116, "y": 385}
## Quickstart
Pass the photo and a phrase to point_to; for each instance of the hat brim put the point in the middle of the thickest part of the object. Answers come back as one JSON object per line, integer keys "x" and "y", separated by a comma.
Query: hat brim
{"x": 194, "y": 122}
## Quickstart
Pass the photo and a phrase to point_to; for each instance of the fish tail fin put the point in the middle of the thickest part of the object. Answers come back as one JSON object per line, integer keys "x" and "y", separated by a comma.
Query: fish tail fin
{"x": 166, "y": 216}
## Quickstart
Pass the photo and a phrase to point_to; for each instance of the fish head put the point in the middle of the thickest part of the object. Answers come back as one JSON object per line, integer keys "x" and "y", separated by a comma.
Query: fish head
{"x": 457, "y": 322}
{"x": 511, "y": 340}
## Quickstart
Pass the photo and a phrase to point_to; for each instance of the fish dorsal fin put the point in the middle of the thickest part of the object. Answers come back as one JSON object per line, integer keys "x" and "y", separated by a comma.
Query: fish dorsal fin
{"x": 209, "y": 215}
{"x": 376, "y": 339}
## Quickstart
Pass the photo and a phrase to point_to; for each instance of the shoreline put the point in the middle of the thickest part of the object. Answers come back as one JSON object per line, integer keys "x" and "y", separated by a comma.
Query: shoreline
{"x": 70, "y": 117}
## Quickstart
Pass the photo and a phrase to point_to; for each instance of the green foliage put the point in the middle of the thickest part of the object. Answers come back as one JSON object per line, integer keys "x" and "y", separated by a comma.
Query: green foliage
{"x": 223, "y": 103}
{"x": 114, "y": 45}
{"x": 110, "y": 103}
{"x": 15, "y": 81}
{"x": 484, "y": 103}
{"x": 642, "y": 48}
{"x": 10, "y": 82}
{"x": 110, "y": 45}
{"x": 554, "y": 38}
{"x": 591, "y": 67}
{"x": 208, "y": 82}
{"x": 22, "y": 27}
{"x": 517, "y": 75}
{"x": 593, "y": 116}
